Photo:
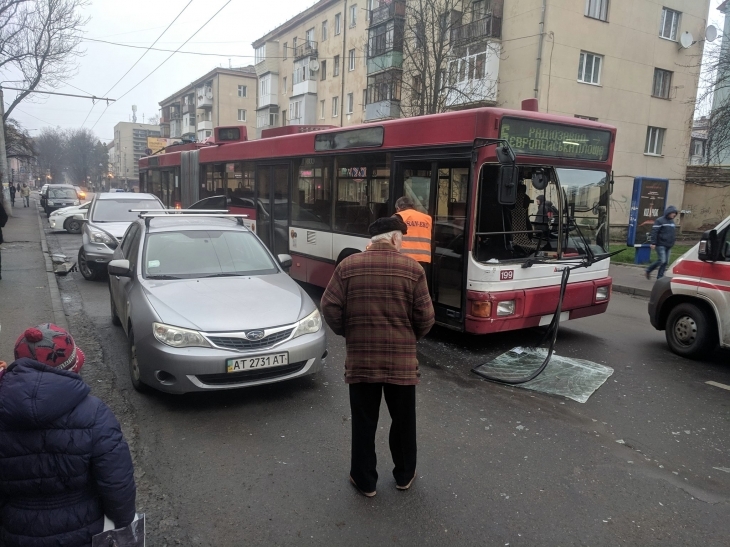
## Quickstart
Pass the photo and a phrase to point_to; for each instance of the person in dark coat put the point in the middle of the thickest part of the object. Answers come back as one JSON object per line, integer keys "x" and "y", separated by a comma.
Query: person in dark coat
{"x": 663, "y": 236}
{"x": 64, "y": 463}
{"x": 379, "y": 301}
{"x": 3, "y": 222}
{"x": 12, "y": 195}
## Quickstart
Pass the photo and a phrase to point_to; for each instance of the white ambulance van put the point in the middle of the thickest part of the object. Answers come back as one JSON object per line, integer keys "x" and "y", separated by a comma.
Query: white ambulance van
{"x": 693, "y": 304}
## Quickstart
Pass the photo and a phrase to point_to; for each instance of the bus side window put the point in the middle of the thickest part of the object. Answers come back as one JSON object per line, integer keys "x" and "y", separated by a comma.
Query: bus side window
{"x": 490, "y": 218}
{"x": 311, "y": 194}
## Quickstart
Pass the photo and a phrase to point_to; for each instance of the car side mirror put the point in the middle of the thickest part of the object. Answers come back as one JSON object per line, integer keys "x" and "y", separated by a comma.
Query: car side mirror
{"x": 285, "y": 261}
{"x": 709, "y": 247}
{"x": 120, "y": 268}
{"x": 507, "y": 181}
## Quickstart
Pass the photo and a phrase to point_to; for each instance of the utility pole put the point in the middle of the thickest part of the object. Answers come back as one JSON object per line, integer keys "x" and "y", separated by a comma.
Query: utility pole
{"x": 3, "y": 156}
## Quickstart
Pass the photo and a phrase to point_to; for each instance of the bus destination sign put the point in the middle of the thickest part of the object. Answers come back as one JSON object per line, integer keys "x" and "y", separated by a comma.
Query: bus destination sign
{"x": 535, "y": 138}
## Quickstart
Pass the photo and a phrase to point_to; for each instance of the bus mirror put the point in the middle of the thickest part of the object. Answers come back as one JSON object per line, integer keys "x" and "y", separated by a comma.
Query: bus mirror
{"x": 709, "y": 247}
{"x": 540, "y": 180}
{"x": 508, "y": 184}
{"x": 505, "y": 155}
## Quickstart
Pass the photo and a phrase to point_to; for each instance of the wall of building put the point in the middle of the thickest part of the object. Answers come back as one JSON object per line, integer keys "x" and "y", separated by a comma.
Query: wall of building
{"x": 130, "y": 143}
{"x": 227, "y": 102}
{"x": 631, "y": 49}
{"x": 706, "y": 198}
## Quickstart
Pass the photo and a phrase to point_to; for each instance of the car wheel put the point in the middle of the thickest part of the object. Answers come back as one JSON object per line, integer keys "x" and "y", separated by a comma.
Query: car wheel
{"x": 73, "y": 226}
{"x": 690, "y": 332}
{"x": 134, "y": 375}
{"x": 90, "y": 273}
{"x": 115, "y": 318}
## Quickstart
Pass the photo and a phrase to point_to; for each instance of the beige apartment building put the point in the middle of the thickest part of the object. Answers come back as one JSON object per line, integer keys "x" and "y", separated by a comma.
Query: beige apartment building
{"x": 224, "y": 96}
{"x": 633, "y": 64}
{"x": 130, "y": 143}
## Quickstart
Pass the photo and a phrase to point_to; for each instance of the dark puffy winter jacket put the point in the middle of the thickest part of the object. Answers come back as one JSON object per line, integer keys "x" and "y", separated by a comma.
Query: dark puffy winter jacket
{"x": 664, "y": 231}
{"x": 64, "y": 463}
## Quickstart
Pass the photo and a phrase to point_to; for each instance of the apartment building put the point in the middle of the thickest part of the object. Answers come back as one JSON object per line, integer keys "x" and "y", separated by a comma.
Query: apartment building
{"x": 621, "y": 62}
{"x": 721, "y": 97}
{"x": 223, "y": 96}
{"x": 130, "y": 143}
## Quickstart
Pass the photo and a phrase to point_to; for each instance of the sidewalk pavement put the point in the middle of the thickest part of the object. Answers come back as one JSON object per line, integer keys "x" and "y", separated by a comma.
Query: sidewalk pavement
{"x": 630, "y": 279}
{"x": 29, "y": 293}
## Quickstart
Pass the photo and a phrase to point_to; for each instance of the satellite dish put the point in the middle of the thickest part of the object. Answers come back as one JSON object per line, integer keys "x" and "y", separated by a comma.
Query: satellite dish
{"x": 686, "y": 40}
{"x": 314, "y": 65}
{"x": 711, "y": 33}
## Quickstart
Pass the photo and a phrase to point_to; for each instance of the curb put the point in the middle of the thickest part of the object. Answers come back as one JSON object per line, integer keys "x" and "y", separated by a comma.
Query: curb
{"x": 633, "y": 291}
{"x": 59, "y": 316}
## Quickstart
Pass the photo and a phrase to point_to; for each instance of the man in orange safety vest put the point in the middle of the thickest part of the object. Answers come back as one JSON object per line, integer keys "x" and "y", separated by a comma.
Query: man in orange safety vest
{"x": 417, "y": 242}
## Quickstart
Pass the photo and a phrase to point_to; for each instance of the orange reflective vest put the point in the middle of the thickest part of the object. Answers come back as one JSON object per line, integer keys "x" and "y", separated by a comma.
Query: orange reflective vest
{"x": 417, "y": 242}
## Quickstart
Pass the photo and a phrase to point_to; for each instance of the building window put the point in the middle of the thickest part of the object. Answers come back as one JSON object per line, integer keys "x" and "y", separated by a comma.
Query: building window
{"x": 591, "y": 118}
{"x": 662, "y": 83}
{"x": 286, "y": 47}
{"x": 351, "y": 59}
{"x": 335, "y": 107}
{"x": 241, "y": 115}
{"x": 264, "y": 86}
{"x": 242, "y": 91}
{"x": 283, "y": 84}
{"x": 336, "y": 70}
{"x": 654, "y": 141}
{"x": 350, "y": 103}
{"x": 364, "y": 99}
{"x": 260, "y": 54}
{"x": 670, "y": 24}
{"x": 353, "y": 15}
{"x": 294, "y": 45}
{"x": 324, "y": 31}
{"x": 338, "y": 23}
{"x": 309, "y": 37}
{"x": 321, "y": 110}
{"x": 323, "y": 69}
{"x": 698, "y": 148}
{"x": 589, "y": 68}
{"x": 597, "y": 9}
{"x": 295, "y": 110}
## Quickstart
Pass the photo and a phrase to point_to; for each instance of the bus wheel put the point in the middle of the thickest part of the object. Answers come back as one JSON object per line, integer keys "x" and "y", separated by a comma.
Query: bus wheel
{"x": 344, "y": 254}
{"x": 690, "y": 332}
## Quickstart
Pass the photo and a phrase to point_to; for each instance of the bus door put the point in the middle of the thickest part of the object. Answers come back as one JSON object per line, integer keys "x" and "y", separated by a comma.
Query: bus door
{"x": 440, "y": 188}
{"x": 272, "y": 207}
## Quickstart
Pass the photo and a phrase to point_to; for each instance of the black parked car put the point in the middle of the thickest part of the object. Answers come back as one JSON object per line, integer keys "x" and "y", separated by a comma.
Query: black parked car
{"x": 58, "y": 196}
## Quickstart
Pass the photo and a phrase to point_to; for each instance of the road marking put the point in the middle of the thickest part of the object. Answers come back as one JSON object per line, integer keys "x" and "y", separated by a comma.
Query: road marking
{"x": 717, "y": 384}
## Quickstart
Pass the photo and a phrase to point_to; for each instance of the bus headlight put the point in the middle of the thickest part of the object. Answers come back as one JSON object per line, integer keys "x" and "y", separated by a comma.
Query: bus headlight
{"x": 602, "y": 293}
{"x": 481, "y": 308}
{"x": 506, "y": 308}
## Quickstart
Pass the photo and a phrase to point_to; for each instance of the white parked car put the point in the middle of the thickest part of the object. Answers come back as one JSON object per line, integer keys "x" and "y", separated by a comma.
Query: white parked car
{"x": 70, "y": 219}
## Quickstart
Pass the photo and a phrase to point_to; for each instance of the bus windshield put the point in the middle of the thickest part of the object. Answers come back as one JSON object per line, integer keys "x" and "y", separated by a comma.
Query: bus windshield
{"x": 586, "y": 198}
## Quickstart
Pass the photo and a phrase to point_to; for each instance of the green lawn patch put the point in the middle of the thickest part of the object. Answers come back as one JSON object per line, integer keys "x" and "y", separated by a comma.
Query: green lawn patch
{"x": 627, "y": 256}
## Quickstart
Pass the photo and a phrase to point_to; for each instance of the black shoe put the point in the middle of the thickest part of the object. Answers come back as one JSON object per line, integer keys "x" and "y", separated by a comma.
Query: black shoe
{"x": 406, "y": 486}
{"x": 648, "y": 274}
{"x": 366, "y": 494}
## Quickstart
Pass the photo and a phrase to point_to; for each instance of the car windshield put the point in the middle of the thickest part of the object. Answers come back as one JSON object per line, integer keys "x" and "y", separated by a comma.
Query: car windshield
{"x": 112, "y": 210}
{"x": 205, "y": 253}
{"x": 62, "y": 193}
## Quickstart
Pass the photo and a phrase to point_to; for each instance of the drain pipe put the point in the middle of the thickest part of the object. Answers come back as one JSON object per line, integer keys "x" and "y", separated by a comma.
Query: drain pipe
{"x": 539, "y": 48}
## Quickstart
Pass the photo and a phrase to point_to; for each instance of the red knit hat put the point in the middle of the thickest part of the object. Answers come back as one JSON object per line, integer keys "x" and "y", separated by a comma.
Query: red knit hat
{"x": 51, "y": 345}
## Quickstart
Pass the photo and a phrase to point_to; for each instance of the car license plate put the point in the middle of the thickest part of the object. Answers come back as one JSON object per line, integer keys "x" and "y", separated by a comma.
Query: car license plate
{"x": 260, "y": 361}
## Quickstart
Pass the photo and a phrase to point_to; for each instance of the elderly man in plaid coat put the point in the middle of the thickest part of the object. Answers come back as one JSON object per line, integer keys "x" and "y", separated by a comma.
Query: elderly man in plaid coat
{"x": 379, "y": 301}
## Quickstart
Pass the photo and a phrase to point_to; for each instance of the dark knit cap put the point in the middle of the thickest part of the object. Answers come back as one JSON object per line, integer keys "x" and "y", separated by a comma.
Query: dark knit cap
{"x": 387, "y": 224}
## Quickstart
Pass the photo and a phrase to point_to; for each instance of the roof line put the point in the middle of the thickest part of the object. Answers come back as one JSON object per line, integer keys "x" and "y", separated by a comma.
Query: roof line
{"x": 286, "y": 26}
{"x": 207, "y": 76}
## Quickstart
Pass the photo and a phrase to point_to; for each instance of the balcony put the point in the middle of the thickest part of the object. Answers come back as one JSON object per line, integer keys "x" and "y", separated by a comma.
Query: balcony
{"x": 307, "y": 49}
{"x": 397, "y": 8}
{"x": 487, "y": 27}
{"x": 204, "y": 96}
{"x": 205, "y": 125}
{"x": 382, "y": 110}
{"x": 175, "y": 115}
{"x": 189, "y": 109}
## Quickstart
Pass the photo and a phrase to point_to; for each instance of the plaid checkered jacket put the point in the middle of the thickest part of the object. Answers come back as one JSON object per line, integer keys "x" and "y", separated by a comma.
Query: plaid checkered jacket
{"x": 379, "y": 301}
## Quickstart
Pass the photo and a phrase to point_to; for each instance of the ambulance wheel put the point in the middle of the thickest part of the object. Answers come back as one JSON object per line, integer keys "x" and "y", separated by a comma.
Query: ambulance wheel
{"x": 691, "y": 331}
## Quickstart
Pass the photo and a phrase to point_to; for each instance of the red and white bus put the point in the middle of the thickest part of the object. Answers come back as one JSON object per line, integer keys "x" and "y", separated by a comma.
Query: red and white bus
{"x": 312, "y": 191}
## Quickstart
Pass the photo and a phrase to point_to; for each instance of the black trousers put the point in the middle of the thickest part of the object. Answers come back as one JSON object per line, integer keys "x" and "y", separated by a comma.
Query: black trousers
{"x": 365, "y": 407}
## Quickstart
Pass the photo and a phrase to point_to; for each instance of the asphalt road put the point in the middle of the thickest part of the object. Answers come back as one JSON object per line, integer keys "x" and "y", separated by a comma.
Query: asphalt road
{"x": 646, "y": 461}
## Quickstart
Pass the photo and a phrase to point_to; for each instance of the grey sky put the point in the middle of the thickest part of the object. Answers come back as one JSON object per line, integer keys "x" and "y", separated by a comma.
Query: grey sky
{"x": 139, "y": 23}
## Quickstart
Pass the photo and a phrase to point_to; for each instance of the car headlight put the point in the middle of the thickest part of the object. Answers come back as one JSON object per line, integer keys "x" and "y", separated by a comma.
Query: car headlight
{"x": 51, "y": 203}
{"x": 506, "y": 308}
{"x": 77, "y": 202}
{"x": 178, "y": 337}
{"x": 56, "y": 213}
{"x": 309, "y": 325}
{"x": 602, "y": 293}
{"x": 100, "y": 236}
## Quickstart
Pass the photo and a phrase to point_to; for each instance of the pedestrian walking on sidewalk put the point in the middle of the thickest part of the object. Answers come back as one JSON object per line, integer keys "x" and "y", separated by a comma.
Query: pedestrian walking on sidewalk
{"x": 3, "y": 221}
{"x": 12, "y": 195}
{"x": 663, "y": 236}
{"x": 379, "y": 301}
{"x": 25, "y": 192}
{"x": 64, "y": 463}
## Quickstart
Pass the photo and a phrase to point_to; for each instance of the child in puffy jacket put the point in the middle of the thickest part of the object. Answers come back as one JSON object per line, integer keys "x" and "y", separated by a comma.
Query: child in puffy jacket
{"x": 64, "y": 463}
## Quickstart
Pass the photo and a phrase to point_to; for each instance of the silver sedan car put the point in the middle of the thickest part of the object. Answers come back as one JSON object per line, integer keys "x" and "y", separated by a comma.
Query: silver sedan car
{"x": 207, "y": 307}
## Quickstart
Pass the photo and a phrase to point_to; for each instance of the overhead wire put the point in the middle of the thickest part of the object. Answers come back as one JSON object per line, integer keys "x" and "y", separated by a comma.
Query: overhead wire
{"x": 167, "y": 59}
{"x": 147, "y": 50}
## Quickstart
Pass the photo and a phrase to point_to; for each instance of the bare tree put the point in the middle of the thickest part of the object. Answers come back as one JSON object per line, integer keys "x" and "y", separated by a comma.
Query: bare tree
{"x": 50, "y": 147}
{"x": 86, "y": 157}
{"x": 39, "y": 41}
{"x": 715, "y": 90}
{"x": 448, "y": 53}
{"x": 18, "y": 143}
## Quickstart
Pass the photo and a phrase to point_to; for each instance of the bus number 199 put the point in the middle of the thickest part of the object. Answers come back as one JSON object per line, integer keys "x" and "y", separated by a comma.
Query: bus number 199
{"x": 506, "y": 275}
